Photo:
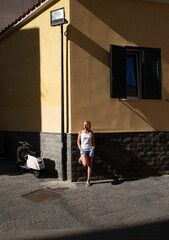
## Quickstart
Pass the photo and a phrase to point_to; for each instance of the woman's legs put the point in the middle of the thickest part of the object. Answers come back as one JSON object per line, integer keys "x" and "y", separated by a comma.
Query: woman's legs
{"x": 89, "y": 172}
{"x": 85, "y": 160}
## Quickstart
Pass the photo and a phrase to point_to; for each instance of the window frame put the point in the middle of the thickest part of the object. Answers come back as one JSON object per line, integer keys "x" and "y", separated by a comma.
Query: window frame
{"x": 148, "y": 68}
{"x": 137, "y": 53}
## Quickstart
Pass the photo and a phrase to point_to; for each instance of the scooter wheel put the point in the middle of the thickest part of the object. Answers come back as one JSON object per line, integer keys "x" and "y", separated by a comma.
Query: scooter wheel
{"x": 36, "y": 173}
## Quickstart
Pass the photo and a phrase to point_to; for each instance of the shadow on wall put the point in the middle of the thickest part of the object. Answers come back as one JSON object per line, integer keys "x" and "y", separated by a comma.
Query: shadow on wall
{"x": 121, "y": 163}
{"x": 88, "y": 45}
{"x": 132, "y": 154}
{"x": 153, "y": 112}
{"x": 21, "y": 82}
{"x": 50, "y": 168}
{"x": 20, "y": 90}
{"x": 127, "y": 155}
{"x": 137, "y": 22}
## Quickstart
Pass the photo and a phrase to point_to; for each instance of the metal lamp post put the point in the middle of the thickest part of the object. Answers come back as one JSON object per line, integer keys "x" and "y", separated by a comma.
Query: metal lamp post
{"x": 57, "y": 17}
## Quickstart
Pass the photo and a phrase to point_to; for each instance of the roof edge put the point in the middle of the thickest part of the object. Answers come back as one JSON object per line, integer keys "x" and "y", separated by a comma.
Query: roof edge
{"x": 24, "y": 19}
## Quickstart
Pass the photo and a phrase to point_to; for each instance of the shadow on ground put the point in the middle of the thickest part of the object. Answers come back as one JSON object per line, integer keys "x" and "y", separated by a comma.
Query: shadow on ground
{"x": 152, "y": 231}
{"x": 117, "y": 181}
{"x": 10, "y": 168}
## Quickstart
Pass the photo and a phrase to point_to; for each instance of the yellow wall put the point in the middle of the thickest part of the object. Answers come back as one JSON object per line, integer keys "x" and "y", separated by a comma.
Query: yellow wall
{"x": 20, "y": 81}
{"x": 30, "y": 95}
{"x": 30, "y": 91}
{"x": 94, "y": 25}
{"x": 50, "y": 41}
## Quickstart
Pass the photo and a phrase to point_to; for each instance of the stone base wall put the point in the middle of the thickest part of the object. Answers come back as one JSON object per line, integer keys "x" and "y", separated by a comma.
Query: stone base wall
{"x": 48, "y": 143}
{"x": 125, "y": 155}
{"x": 136, "y": 154}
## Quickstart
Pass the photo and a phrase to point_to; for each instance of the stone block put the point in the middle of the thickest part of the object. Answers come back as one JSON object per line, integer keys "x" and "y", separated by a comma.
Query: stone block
{"x": 130, "y": 153}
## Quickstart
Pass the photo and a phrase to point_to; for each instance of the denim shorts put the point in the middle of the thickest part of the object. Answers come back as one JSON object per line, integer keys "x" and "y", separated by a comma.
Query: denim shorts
{"x": 88, "y": 152}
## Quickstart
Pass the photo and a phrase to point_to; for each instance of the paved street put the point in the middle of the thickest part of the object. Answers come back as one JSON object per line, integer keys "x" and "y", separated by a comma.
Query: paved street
{"x": 124, "y": 209}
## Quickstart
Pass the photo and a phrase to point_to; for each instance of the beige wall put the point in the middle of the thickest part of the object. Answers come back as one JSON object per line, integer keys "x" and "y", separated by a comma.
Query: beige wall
{"x": 30, "y": 68}
{"x": 30, "y": 95}
{"x": 94, "y": 26}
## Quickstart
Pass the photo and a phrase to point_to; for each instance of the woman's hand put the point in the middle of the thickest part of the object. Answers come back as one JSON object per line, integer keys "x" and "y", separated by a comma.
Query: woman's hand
{"x": 78, "y": 141}
{"x": 93, "y": 141}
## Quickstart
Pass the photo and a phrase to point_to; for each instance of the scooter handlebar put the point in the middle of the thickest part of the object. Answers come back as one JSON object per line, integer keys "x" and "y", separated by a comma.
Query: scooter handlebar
{"x": 25, "y": 143}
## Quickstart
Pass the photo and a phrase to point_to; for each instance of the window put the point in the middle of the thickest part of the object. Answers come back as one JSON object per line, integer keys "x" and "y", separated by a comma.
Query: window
{"x": 135, "y": 72}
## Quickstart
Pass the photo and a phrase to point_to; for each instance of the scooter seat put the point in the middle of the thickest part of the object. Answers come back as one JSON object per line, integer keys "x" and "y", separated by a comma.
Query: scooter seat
{"x": 34, "y": 153}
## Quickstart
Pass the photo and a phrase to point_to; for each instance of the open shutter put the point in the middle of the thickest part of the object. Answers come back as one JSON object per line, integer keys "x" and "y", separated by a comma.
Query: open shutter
{"x": 117, "y": 72}
{"x": 151, "y": 65}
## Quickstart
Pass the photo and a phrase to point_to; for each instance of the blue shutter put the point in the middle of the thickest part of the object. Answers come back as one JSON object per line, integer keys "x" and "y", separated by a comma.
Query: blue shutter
{"x": 117, "y": 72}
{"x": 151, "y": 74}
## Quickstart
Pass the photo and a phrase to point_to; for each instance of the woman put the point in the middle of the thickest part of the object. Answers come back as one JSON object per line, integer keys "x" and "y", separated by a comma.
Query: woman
{"x": 86, "y": 145}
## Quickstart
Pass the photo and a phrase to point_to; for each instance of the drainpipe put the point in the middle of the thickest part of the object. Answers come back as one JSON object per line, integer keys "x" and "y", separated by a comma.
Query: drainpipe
{"x": 58, "y": 18}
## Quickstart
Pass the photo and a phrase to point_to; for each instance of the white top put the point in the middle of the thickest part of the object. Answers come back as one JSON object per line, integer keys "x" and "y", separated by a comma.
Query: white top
{"x": 86, "y": 140}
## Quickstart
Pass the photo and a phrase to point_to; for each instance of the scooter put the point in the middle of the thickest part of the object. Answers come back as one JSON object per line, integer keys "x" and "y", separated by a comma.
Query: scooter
{"x": 28, "y": 159}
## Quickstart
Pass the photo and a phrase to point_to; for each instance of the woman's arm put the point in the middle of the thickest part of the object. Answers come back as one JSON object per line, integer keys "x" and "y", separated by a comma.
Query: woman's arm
{"x": 78, "y": 141}
{"x": 93, "y": 141}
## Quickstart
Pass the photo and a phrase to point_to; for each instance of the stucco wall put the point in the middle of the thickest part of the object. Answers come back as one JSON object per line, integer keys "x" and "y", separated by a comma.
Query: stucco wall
{"x": 94, "y": 25}
{"x": 30, "y": 78}
{"x": 30, "y": 68}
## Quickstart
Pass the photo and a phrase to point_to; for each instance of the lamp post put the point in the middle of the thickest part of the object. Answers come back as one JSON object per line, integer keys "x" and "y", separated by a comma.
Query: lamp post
{"x": 58, "y": 18}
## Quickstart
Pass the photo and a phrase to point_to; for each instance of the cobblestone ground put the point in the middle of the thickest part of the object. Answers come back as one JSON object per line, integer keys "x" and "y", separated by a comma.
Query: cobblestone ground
{"x": 103, "y": 205}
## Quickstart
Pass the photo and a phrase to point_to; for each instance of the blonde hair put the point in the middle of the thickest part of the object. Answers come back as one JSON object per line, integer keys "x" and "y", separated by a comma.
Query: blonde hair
{"x": 88, "y": 124}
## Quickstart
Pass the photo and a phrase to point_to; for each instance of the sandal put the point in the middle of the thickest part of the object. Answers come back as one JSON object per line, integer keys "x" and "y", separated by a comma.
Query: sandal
{"x": 88, "y": 183}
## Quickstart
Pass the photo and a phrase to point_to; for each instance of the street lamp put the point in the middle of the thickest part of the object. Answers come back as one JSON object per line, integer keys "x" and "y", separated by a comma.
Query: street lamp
{"x": 57, "y": 17}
